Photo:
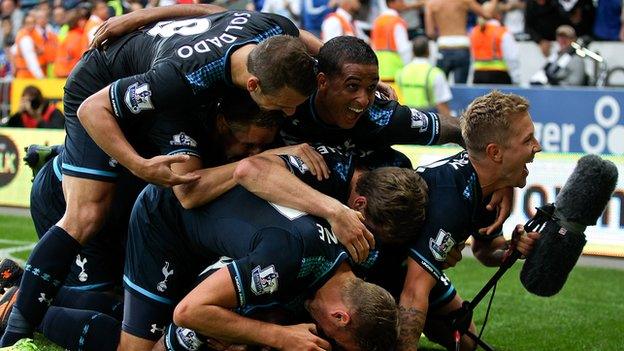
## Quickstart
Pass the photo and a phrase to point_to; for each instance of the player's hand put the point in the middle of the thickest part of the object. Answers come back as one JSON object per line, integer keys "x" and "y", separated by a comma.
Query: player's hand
{"x": 303, "y": 337}
{"x": 502, "y": 200}
{"x": 524, "y": 242}
{"x": 113, "y": 28}
{"x": 454, "y": 256}
{"x": 157, "y": 170}
{"x": 309, "y": 156}
{"x": 386, "y": 90}
{"x": 348, "y": 226}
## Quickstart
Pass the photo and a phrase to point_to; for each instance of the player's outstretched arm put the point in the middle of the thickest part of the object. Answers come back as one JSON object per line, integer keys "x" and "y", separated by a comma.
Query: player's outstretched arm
{"x": 117, "y": 26}
{"x": 207, "y": 310}
{"x": 267, "y": 177}
{"x": 450, "y": 130}
{"x": 96, "y": 116}
{"x": 413, "y": 305}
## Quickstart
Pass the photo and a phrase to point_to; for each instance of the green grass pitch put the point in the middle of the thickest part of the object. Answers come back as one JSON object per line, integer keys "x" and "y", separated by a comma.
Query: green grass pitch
{"x": 587, "y": 315}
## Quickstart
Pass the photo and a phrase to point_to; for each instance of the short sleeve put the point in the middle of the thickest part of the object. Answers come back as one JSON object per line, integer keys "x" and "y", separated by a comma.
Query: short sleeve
{"x": 161, "y": 88}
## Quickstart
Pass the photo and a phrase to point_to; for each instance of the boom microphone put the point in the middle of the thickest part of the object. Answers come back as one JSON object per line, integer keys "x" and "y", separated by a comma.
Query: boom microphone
{"x": 581, "y": 201}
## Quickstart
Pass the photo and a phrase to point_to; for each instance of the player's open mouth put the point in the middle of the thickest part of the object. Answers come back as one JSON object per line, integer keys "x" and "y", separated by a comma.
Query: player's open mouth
{"x": 526, "y": 169}
{"x": 356, "y": 110}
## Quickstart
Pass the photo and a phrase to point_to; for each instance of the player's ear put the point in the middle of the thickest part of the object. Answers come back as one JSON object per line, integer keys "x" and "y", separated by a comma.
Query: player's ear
{"x": 494, "y": 152}
{"x": 253, "y": 84}
{"x": 359, "y": 203}
{"x": 321, "y": 80}
{"x": 341, "y": 318}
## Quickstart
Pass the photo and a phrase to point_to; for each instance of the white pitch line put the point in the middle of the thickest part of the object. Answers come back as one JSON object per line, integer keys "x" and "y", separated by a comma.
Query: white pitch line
{"x": 14, "y": 242}
{"x": 6, "y": 252}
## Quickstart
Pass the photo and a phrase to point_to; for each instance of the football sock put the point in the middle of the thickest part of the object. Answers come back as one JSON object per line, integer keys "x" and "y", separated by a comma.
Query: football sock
{"x": 79, "y": 330}
{"x": 47, "y": 267}
{"x": 90, "y": 300}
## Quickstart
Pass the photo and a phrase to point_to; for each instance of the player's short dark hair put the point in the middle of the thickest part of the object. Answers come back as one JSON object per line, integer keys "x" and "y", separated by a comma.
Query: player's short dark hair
{"x": 342, "y": 50}
{"x": 396, "y": 201}
{"x": 283, "y": 61}
{"x": 374, "y": 316}
{"x": 488, "y": 119}
{"x": 240, "y": 111}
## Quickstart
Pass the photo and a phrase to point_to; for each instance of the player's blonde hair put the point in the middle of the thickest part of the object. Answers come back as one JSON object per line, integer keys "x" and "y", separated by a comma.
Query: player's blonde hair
{"x": 488, "y": 120}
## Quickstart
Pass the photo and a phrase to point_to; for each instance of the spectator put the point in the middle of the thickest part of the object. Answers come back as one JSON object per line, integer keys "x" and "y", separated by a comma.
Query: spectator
{"x": 8, "y": 8}
{"x": 58, "y": 19}
{"x": 412, "y": 14}
{"x": 608, "y": 23}
{"x": 422, "y": 85}
{"x": 28, "y": 51}
{"x": 36, "y": 112}
{"x": 495, "y": 52}
{"x": 446, "y": 20}
{"x": 6, "y": 32}
{"x": 313, "y": 12}
{"x": 290, "y": 9}
{"x": 99, "y": 14}
{"x": 580, "y": 14}
{"x": 390, "y": 41}
{"x": 542, "y": 17}
{"x": 341, "y": 22}
{"x": 49, "y": 38}
{"x": 565, "y": 67}
{"x": 74, "y": 44}
{"x": 514, "y": 18}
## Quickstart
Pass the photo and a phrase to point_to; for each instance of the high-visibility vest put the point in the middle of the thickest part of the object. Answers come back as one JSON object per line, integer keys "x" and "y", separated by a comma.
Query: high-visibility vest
{"x": 347, "y": 27}
{"x": 93, "y": 23}
{"x": 384, "y": 45}
{"x": 69, "y": 51}
{"x": 21, "y": 68}
{"x": 50, "y": 47}
{"x": 416, "y": 83}
{"x": 486, "y": 47}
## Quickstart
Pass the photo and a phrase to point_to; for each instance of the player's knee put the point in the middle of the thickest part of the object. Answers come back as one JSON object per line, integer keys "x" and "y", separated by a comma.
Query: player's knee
{"x": 84, "y": 221}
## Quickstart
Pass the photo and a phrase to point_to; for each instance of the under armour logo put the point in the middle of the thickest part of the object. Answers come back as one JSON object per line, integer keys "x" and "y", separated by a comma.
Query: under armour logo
{"x": 162, "y": 286}
{"x": 81, "y": 262}
{"x": 43, "y": 299}
{"x": 156, "y": 329}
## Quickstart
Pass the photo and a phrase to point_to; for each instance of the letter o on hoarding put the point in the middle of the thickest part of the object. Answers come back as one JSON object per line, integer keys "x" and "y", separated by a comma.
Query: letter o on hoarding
{"x": 599, "y": 109}
{"x": 599, "y": 133}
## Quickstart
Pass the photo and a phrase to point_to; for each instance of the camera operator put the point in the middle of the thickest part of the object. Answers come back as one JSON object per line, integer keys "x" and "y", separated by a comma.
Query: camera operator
{"x": 36, "y": 112}
{"x": 565, "y": 67}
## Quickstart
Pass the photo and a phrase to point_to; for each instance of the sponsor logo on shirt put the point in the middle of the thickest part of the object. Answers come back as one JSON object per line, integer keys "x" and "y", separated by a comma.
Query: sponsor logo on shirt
{"x": 419, "y": 120}
{"x": 264, "y": 281}
{"x": 298, "y": 164}
{"x": 138, "y": 98}
{"x": 182, "y": 139}
{"x": 441, "y": 246}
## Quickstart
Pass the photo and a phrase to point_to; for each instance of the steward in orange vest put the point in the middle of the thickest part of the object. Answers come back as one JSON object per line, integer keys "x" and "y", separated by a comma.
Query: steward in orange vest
{"x": 29, "y": 51}
{"x": 393, "y": 51}
{"x": 72, "y": 47}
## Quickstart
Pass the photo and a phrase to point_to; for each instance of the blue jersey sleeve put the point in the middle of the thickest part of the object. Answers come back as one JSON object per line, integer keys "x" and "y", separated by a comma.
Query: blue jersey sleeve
{"x": 177, "y": 132}
{"x": 161, "y": 88}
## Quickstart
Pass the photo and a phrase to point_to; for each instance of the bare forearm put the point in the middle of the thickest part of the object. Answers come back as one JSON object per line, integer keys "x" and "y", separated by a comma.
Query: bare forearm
{"x": 103, "y": 128}
{"x": 213, "y": 183}
{"x": 228, "y": 326}
{"x": 275, "y": 183}
{"x": 450, "y": 130}
{"x": 412, "y": 322}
